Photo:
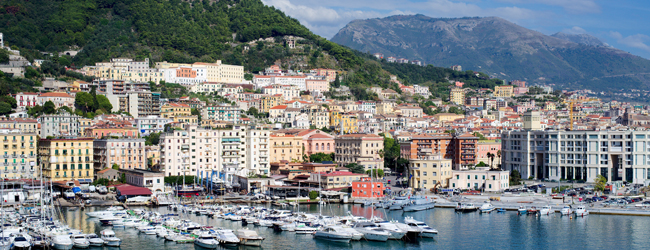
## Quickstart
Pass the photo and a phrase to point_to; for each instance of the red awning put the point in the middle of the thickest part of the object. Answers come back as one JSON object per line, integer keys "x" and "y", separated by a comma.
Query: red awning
{"x": 127, "y": 189}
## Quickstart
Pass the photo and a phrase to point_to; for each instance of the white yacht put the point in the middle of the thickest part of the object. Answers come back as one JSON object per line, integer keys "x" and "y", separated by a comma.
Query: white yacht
{"x": 80, "y": 241}
{"x": 108, "y": 212}
{"x": 355, "y": 234}
{"x": 5, "y": 242}
{"x": 581, "y": 211}
{"x": 546, "y": 210}
{"x": 395, "y": 232}
{"x": 62, "y": 242}
{"x": 426, "y": 232}
{"x": 304, "y": 229}
{"x": 334, "y": 233}
{"x": 566, "y": 210}
{"x": 226, "y": 237}
{"x": 249, "y": 237}
{"x": 486, "y": 208}
{"x": 94, "y": 240}
{"x": 371, "y": 231}
{"x": 206, "y": 241}
{"x": 109, "y": 238}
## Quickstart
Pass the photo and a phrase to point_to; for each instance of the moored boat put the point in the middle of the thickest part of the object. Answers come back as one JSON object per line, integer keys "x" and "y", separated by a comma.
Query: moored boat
{"x": 465, "y": 208}
{"x": 249, "y": 237}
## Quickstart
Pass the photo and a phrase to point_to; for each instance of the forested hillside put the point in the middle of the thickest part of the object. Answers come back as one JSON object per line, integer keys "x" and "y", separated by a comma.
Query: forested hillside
{"x": 183, "y": 31}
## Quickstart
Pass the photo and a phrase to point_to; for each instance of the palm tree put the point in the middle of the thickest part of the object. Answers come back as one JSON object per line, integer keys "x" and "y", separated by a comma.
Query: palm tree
{"x": 499, "y": 153}
{"x": 491, "y": 156}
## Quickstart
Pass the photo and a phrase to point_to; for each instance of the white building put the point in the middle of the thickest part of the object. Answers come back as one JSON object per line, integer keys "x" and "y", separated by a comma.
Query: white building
{"x": 145, "y": 178}
{"x": 222, "y": 112}
{"x": 298, "y": 81}
{"x": 422, "y": 90}
{"x": 288, "y": 92}
{"x": 151, "y": 124}
{"x": 197, "y": 150}
{"x": 480, "y": 179}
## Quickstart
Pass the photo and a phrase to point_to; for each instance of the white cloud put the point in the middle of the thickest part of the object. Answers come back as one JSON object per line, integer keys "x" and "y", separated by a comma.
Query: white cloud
{"x": 571, "y": 6}
{"x": 575, "y": 30}
{"x": 638, "y": 41}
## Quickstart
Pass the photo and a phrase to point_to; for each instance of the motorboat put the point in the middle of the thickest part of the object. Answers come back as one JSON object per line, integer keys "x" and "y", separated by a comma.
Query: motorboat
{"x": 94, "y": 240}
{"x": 486, "y": 208}
{"x": 109, "y": 238}
{"x": 226, "y": 237}
{"x": 533, "y": 210}
{"x": 249, "y": 237}
{"x": 371, "y": 231}
{"x": 68, "y": 195}
{"x": 546, "y": 210}
{"x": 206, "y": 240}
{"x": 566, "y": 210}
{"x": 62, "y": 242}
{"x": 581, "y": 211}
{"x": 162, "y": 232}
{"x": 80, "y": 241}
{"x": 427, "y": 231}
{"x": 149, "y": 230}
{"x": 522, "y": 210}
{"x": 108, "y": 212}
{"x": 465, "y": 208}
{"x": 304, "y": 229}
{"x": 22, "y": 241}
{"x": 39, "y": 242}
{"x": 355, "y": 234}
{"x": 333, "y": 233}
{"x": 395, "y": 232}
{"x": 289, "y": 227}
{"x": 418, "y": 204}
{"x": 110, "y": 220}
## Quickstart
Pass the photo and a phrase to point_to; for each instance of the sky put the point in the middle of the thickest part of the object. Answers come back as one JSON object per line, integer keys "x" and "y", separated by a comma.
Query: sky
{"x": 620, "y": 23}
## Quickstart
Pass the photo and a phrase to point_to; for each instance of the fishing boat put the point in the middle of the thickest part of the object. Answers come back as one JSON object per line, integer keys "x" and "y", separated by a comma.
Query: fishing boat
{"x": 546, "y": 210}
{"x": 333, "y": 233}
{"x": 465, "y": 208}
{"x": 486, "y": 208}
{"x": 522, "y": 210}
{"x": 501, "y": 210}
{"x": 533, "y": 210}
{"x": 249, "y": 237}
{"x": 581, "y": 211}
{"x": 566, "y": 210}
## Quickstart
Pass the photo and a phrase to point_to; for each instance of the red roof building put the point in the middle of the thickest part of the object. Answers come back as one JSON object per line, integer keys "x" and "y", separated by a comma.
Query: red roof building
{"x": 365, "y": 188}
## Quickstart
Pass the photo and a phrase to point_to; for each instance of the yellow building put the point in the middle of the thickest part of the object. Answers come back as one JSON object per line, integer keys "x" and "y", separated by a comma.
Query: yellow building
{"x": 349, "y": 122}
{"x": 268, "y": 102}
{"x": 285, "y": 147}
{"x": 66, "y": 158}
{"x": 171, "y": 110}
{"x": 457, "y": 96}
{"x": 447, "y": 117}
{"x": 189, "y": 119}
{"x": 504, "y": 91}
{"x": 386, "y": 108}
{"x": 19, "y": 154}
{"x": 430, "y": 172}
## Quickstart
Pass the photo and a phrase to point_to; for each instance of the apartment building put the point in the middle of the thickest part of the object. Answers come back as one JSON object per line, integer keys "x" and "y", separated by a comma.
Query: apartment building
{"x": 460, "y": 148}
{"x": 126, "y": 153}
{"x": 362, "y": 149}
{"x": 337, "y": 179}
{"x": 195, "y": 150}
{"x": 317, "y": 87}
{"x": 138, "y": 104}
{"x": 288, "y": 92}
{"x": 464, "y": 151}
{"x": 504, "y": 91}
{"x": 18, "y": 153}
{"x": 171, "y": 110}
{"x": 151, "y": 124}
{"x": 429, "y": 172}
{"x": 66, "y": 159}
{"x": 268, "y": 102}
{"x": 457, "y": 96}
{"x": 60, "y": 124}
{"x": 409, "y": 111}
{"x": 23, "y": 124}
{"x": 344, "y": 122}
{"x": 25, "y": 100}
{"x": 285, "y": 147}
{"x": 222, "y": 112}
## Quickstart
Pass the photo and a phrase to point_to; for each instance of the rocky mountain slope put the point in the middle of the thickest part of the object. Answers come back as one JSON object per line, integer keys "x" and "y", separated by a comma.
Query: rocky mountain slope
{"x": 498, "y": 47}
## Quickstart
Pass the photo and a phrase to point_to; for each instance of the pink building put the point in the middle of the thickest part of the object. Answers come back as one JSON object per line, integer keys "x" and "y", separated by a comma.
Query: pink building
{"x": 313, "y": 140}
{"x": 317, "y": 86}
{"x": 26, "y": 99}
{"x": 460, "y": 84}
{"x": 521, "y": 84}
{"x": 520, "y": 90}
{"x": 485, "y": 147}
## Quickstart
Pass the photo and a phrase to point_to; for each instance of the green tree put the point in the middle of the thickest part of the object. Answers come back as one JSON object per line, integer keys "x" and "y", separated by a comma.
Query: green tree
{"x": 85, "y": 102}
{"x": 66, "y": 109}
{"x": 101, "y": 182}
{"x": 377, "y": 173}
{"x": 49, "y": 108}
{"x": 152, "y": 139}
{"x": 480, "y": 136}
{"x": 9, "y": 100}
{"x": 600, "y": 183}
{"x": 35, "y": 111}
{"x": 313, "y": 195}
{"x": 104, "y": 103}
{"x": 481, "y": 164}
{"x": 197, "y": 113}
{"x": 320, "y": 157}
{"x": 515, "y": 178}
{"x": 115, "y": 166}
{"x": 5, "y": 108}
{"x": 355, "y": 168}
{"x": 4, "y": 56}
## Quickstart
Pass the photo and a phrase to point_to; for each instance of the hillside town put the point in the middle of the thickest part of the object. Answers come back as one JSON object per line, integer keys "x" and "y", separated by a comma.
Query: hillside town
{"x": 281, "y": 127}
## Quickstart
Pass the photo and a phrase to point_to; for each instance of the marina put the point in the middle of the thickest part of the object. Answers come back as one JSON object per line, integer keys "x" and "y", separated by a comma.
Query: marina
{"x": 454, "y": 230}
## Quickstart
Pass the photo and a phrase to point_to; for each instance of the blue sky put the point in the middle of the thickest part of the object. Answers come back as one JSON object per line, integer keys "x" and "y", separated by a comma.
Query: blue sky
{"x": 623, "y": 24}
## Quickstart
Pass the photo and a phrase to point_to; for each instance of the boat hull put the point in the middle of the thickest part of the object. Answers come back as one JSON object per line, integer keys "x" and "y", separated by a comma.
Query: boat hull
{"x": 206, "y": 245}
{"x": 113, "y": 243}
{"x": 251, "y": 242}
{"x": 336, "y": 238}
{"x": 59, "y": 246}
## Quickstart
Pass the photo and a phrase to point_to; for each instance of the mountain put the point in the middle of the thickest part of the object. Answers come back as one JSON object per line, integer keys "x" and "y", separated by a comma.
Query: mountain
{"x": 498, "y": 47}
{"x": 585, "y": 39}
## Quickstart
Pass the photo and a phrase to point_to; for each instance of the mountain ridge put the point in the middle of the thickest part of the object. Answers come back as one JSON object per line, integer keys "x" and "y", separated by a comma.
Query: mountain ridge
{"x": 496, "y": 46}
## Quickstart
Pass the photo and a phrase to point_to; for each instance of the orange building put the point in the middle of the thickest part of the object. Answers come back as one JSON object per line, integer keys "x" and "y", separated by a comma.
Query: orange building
{"x": 464, "y": 151}
{"x": 460, "y": 148}
{"x": 365, "y": 188}
{"x": 185, "y": 72}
